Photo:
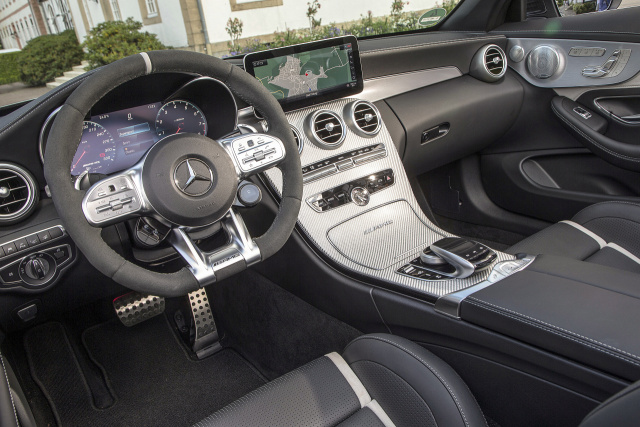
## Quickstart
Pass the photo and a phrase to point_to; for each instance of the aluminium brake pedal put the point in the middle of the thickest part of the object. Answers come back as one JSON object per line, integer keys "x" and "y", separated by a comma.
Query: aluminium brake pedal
{"x": 206, "y": 341}
{"x": 134, "y": 307}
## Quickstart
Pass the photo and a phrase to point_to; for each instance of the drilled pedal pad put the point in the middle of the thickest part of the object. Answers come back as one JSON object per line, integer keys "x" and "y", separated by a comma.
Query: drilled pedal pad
{"x": 206, "y": 339}
{"x": 134, "y": 307}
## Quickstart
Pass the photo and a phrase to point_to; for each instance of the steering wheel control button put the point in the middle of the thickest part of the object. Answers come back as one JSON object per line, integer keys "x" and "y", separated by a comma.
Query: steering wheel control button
{"x": 256, "y": 152}
{"x": 249, "y": 195}
{"x": 105, "y": 201}
{"x": 344, "y": 194}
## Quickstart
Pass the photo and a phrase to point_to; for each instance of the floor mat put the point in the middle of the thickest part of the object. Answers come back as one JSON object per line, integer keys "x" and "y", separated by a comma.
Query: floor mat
{"x": 154, "y": 381}
{"x": 272, "y": 328}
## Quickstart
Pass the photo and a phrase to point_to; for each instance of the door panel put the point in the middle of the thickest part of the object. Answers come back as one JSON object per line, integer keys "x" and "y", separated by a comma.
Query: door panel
{"x": 563, "y": 154}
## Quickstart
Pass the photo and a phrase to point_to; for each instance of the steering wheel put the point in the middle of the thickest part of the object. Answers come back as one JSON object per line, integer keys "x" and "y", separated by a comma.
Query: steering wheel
{"x": 185, "y": 181}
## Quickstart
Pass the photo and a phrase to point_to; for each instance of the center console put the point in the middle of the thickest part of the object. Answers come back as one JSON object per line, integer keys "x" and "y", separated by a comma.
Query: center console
{"x": 358, "y": 207}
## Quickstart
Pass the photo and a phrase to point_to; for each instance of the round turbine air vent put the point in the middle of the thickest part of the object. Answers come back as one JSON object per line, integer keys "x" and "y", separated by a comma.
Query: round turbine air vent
{"x": 18, "y": 193}
{"x": 489, "y": 64}
{"x": 325, "y": 129}
{"x": 363, "y": 118}
{"x": 298, "y": 138}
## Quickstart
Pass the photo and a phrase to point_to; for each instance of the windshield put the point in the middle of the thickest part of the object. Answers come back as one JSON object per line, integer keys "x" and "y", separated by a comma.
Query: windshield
{"x": 46, "y": 43}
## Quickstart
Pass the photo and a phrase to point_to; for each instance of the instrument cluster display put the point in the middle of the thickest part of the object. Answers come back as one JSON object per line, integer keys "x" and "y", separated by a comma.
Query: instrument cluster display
{"x": 118, "y": 140}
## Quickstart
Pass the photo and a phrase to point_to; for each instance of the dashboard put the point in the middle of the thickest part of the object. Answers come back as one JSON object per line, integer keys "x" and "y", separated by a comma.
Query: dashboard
{"x": 115, "y": 139}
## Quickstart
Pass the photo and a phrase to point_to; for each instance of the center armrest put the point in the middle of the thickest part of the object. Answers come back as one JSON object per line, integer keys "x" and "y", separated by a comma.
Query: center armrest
{"x": 584, "y": 311}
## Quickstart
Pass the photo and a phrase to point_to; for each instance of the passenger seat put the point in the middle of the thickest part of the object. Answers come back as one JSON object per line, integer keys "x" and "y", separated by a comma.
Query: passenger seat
{"x": 606, "y": 233}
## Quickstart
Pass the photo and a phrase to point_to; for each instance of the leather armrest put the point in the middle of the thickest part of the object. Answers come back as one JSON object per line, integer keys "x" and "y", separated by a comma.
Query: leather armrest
{"x": 583, "y": 311}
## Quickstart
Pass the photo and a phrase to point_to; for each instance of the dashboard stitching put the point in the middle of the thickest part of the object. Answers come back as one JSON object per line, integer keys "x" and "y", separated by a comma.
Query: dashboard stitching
{"x": 415, "y": 46}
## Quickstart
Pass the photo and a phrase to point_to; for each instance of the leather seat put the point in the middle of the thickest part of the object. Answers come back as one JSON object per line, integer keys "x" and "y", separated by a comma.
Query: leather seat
{"x": 606, "y": 233}
{"x": 380, "y": 380}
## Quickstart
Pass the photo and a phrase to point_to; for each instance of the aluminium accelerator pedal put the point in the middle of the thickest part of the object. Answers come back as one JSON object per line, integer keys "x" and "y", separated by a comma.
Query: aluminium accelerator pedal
{"x": 206, "y": 341}
{"x": 134, "y": 307}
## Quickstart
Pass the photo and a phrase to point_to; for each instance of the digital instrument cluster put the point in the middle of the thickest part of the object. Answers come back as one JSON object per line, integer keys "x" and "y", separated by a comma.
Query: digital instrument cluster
{"x": 118, "y": 140}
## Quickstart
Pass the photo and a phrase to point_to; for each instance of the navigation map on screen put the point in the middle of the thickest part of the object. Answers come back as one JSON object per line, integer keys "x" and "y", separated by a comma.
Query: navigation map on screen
{"x": 306, "y": 74}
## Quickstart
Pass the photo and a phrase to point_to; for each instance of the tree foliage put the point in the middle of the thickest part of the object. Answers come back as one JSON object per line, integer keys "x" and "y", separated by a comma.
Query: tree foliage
{"x": 46, "y": 57}
{"x": 113, "y": 40}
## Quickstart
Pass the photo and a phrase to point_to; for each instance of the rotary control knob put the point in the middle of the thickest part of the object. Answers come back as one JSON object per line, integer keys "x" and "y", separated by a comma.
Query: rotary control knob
{"x": 360, "y": 196}
{"x": 37, "y": 268}
{"x": 543, "y": 62}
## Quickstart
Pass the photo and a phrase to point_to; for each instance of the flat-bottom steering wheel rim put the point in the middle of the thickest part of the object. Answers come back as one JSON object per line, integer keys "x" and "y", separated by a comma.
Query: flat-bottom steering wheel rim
{"x": 66, "y": 133}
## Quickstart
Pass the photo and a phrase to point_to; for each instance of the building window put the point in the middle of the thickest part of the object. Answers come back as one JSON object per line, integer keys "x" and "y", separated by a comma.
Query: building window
{"x": 152, "y": 8}
{"x": 115, "y": 7}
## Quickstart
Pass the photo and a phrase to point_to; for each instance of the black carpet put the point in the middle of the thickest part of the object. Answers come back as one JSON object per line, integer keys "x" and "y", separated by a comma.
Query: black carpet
{"x": 275, "y": 330}
{"x": 153, "y": 380}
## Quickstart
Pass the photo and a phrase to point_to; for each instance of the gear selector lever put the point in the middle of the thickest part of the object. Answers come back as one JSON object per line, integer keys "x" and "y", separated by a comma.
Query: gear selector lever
{"x": 457, "y": 257}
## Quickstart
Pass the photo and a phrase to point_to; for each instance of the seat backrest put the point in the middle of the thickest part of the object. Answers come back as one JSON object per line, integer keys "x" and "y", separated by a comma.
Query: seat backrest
{"x": 621, "y": 409}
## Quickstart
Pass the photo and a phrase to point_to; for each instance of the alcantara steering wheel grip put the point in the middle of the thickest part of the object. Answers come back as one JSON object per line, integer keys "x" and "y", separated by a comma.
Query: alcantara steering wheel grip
{"x": 153, "y": 185}
{"x": 590, "y": 131}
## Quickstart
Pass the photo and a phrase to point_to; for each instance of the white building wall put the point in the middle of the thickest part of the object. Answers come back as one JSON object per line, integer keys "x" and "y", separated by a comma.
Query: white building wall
{"x": 17, "y": 23}
{"x": 81, "y": 31}
{"x": 292, "y": 15}
{"x": 171, "y": 30}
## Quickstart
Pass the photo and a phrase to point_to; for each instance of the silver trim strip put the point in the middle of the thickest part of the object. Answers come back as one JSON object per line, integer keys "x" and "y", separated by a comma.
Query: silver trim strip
{"x": 384, "y": 87}
{"x": 351, "y": 377}
{"x": 46, "y": 126}
{"x": 601, "y": 242}
{"x": 623, "y": 251}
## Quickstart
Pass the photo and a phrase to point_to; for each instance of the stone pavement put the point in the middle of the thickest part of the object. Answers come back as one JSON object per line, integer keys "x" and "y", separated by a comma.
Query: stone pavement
{"x": 17, "y": 92}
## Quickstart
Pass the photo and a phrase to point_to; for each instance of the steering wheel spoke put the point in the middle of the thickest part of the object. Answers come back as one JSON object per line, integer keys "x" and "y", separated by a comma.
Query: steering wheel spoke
{"x": 209, "y": 267}
{"x": 253, "y": 153}
{"x": 115, "y": 199}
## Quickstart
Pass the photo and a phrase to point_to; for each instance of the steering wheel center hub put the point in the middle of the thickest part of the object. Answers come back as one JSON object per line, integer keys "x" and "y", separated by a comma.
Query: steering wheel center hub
{"x": 190, "y": 180}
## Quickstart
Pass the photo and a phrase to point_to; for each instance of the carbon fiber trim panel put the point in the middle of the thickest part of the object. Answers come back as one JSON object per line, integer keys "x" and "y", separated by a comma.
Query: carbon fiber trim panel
{"x": 317, "y": 225}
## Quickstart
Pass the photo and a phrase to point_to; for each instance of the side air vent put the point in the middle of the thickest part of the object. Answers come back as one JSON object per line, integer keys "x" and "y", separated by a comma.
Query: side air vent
{"x": 18, "y": 193}
{"x": 363, "y": 118}
{"x": 298, "y": 138}
{"x": 489, "y": 64}
{"x": 325, "y": 129}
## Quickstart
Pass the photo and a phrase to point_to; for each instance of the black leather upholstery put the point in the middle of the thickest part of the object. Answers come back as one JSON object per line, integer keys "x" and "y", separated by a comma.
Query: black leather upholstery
{"x": 616, "y": 224}
{"x": 582, "y": 311}
{"x": 14, "y": 410}
{"x": 412, "y": 387}
{"x": 621, "y": 409}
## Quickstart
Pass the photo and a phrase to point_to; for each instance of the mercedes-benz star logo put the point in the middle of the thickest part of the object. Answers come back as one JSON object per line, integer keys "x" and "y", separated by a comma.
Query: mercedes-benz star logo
{"x": 193, "y": 177}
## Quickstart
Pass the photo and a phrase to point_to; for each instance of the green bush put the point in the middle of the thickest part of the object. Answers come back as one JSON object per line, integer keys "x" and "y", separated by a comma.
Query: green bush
{"x": 9, "y": 69}
{"x": 586, "y": 7}
{"x": 46, "y": 57}
{"x": 110, "y": 41}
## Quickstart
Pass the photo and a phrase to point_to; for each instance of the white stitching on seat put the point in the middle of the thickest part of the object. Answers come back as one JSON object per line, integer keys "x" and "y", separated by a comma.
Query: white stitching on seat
{"x": 475, "y": 301}
{"x": 433, "y": 371}
{"x": 15, "y": 413}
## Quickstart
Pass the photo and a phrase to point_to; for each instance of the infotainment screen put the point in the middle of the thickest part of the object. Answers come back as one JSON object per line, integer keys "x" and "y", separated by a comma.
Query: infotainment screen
{"x": 309, "y": 73}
